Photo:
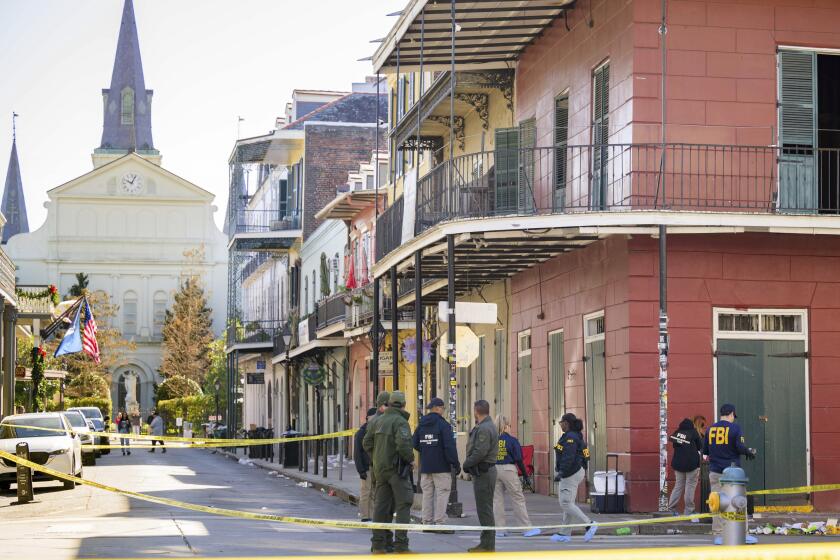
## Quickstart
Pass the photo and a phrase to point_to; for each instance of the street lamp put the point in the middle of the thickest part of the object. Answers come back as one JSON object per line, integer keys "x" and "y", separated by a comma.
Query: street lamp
{"x": 217, "y": 386}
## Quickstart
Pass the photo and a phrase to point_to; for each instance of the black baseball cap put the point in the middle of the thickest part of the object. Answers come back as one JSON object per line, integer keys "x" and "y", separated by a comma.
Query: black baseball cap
{"x": 728, "y": 409}
{"x": 437, "y": 401}
{"x": 371, "y": 412}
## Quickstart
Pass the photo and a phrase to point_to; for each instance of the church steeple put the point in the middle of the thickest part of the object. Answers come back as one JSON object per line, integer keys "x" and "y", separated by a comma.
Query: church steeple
{"x": 14, "y": 205}
{"x": 127, "y": 104}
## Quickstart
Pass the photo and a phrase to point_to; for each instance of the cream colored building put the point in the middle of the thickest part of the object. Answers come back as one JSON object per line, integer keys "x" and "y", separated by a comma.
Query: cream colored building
{"x": 128, "y": 225}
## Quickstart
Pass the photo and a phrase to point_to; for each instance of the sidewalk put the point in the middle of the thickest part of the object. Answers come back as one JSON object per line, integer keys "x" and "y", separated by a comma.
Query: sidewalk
{"x": 543, "y": 510}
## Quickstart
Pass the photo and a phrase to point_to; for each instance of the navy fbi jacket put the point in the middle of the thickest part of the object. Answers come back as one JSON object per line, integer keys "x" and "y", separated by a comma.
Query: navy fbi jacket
{"x": 570, "y": 454}
{"x": 359, "y": 453}
{"x": 724, "y": 444}
{"x": 434, "y": 440}
{"x": 510, "y": 452}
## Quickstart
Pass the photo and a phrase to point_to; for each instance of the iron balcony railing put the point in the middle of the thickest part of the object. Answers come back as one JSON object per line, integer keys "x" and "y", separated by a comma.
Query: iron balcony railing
{"x": 331, "y": 310}
{"x": 620, "y": 177}
{"x": 7, "y": 274}
{"x": 265, "y": 221}
{"x": 248, "y": 332}
{"x": 359, "y": 309}
{"x": 28, "y": 305}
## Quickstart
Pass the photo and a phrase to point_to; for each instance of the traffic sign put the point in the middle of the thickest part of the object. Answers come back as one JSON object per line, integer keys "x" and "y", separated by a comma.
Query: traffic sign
{"x": 466, "y": 346}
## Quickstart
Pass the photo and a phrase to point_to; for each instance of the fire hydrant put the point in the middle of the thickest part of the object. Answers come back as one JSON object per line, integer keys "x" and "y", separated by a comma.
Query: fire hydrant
{"x": 731, "y": 504}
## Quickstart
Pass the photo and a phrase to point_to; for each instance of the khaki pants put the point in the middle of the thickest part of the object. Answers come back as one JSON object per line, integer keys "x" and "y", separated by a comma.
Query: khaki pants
{"x": 365, "y": 498}
{"x": 684, "y": 487}
{"x": 436, "y": 487}
{"x": 507, "y": 482}
{"x": 717, "y": 522}
{"x": 567, "y": 490}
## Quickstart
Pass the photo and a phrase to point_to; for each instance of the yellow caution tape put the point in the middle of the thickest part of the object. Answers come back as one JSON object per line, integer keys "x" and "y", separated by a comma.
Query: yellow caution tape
{"x": 796, "y": 490}
{"x": 799, "y": 551}
{"x": 336, "y": 523}
{"x": 232, "y": 442}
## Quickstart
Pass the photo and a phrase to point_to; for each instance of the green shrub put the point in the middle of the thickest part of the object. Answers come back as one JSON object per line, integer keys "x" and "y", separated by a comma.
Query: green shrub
{"x": 176, "y": 387}
{"x": 88, "y": 384}
{"x": 104, "y": 405}
{"x": 193, "y": 409}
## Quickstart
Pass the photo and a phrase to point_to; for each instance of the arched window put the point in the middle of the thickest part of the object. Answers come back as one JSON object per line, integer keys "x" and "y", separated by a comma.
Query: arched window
{"x": 130, "y": 314}
{"x": 127, "y": 106}
{"x": 159, "y": 312}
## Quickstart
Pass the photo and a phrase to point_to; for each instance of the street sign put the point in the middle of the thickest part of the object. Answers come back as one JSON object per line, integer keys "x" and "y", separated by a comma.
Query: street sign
{"x": 466, "y": 346}
{"x": 179, "y": 422}
{"x": 257, "y": 378}
{"x": 469, "y": 312}
{"x": 386, "y": 364}
{"x": 260, "y": 365}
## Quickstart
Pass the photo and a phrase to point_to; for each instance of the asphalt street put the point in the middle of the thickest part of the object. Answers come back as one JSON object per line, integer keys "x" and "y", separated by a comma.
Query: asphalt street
{"x": 88, "y": 522}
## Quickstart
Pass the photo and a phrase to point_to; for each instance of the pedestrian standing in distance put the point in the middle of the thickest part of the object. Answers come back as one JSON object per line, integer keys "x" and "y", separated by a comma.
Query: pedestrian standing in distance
{"x": 571, "y": 456}
{"x": 480, "y": 463}
{"x": 435, "y": 441}
{"x": 156, "y": 429}
{"x": 362, "y": 460}
{"x": 388, "y": 441}
{"x": 124, "y": 427}
{"x": 723, "y": 447}
{"x": 686, "y": 464}
{"x": 381, "y": 406}
{"x": 508, "y": 464}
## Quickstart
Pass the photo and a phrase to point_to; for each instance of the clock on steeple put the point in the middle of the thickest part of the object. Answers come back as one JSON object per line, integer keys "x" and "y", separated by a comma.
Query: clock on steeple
{"x": 132, "y": 183}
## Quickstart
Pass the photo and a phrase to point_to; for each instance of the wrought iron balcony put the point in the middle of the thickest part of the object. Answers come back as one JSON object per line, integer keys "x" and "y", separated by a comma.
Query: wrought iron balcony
{"x": 254, "y": 332}
{"x": 620, "y": 178}
{"x": 264, "y": 221}
{"x": 331, "y": 310}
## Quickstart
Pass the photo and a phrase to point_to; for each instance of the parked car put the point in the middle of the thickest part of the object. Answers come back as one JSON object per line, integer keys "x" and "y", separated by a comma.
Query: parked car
{"x": 59, "y": 450}
{"x": 100, "y": 424}
{"x": 81, "y": 426}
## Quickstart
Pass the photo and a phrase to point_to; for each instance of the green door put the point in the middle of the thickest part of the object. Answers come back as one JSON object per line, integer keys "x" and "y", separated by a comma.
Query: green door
{"x": 557, "y": 387}
{"x": 798, "y": 115}
{"x": 596, "y": 406}
{"x": 765, "y": 380}
{"x": 523, "y": 391}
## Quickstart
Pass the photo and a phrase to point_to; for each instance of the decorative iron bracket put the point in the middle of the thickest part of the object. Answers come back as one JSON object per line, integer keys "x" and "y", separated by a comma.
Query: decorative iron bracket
{"x": 458, "y": 128}
{"x": 480, "y": 102}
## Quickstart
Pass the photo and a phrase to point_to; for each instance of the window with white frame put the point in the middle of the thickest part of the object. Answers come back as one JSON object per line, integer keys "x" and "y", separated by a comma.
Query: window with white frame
{"x": 760, "y": 322}
{"x": 130, "y": 313}
{"x": 159, "y": 313}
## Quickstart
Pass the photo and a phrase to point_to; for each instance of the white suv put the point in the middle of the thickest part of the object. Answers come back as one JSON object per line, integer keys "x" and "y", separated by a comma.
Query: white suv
{"x": 57, "y": 447}
{"x": 83, "y": 427}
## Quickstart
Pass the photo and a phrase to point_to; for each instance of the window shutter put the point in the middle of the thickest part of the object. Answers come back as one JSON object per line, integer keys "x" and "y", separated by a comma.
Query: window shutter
{"x": 527, "y": 141}
{"x": 561, "y": 141}
{"x": 600, "y": 135}
{"x": 797, "y": 96}
{"x": 507, "y": 169}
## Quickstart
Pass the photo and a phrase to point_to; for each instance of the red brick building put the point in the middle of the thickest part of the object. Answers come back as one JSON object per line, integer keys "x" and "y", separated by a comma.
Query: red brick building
{"x": 746, "y": 180}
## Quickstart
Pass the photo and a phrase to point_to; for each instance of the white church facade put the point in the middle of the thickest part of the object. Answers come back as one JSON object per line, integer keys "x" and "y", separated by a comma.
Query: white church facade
{"x": 129, "y": 224}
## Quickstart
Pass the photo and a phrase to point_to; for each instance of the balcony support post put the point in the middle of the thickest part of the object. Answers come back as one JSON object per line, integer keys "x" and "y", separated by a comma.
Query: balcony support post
{"x": 418, "y": 328}
{"x": 374, "y": 328}
{"x": 455, "y": 508}
{"x": 395, "y": 344}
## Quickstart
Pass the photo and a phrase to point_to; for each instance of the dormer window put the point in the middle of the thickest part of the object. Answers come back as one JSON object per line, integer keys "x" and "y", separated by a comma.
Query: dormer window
{"x": 127, "y": 106}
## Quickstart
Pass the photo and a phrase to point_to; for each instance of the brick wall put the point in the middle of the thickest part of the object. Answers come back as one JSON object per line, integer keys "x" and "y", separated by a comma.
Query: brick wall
{"x": 332, "y": 151}
{"x": 740, "y": 271}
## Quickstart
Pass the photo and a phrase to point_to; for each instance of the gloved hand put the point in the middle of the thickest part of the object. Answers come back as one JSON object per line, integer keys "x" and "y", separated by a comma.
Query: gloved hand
{"x": 751, "y": 453}
{"x": 456, "y": 470}
{"x": 363, "y": 476}
{"x": 558, "y": 477}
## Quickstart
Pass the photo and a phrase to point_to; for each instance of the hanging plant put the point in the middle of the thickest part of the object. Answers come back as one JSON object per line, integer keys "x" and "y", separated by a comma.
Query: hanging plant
{"x": 38, "y": 388}
{"x": 50, "y": 292}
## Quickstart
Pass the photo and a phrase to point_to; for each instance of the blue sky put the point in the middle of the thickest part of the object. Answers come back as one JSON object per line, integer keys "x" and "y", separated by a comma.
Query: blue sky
{"x": 208, "y": 61}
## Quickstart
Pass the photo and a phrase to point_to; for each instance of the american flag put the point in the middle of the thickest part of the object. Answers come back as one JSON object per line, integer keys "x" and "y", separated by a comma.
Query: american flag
{"x": 89, "y": 344}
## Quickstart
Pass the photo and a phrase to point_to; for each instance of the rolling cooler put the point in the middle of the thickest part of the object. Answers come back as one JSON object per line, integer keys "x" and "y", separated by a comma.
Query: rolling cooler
{"x": 609, "y": 489}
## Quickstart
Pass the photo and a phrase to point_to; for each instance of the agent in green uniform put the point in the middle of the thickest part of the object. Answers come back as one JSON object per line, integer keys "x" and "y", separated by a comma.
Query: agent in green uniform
{"x": 388, "y": 442}
{"x": 482, "y": 449}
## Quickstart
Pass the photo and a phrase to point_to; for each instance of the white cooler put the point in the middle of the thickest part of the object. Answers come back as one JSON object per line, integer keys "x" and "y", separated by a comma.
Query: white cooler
{"x": 608, "y": 489}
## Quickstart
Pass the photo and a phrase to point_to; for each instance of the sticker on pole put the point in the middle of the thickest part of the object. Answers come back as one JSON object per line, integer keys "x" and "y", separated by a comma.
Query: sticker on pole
{"x": 466, "y": 346}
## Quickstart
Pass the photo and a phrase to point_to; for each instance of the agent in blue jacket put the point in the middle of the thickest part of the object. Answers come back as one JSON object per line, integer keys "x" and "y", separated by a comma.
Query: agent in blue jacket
{"x": 571, "y": 457}
{"x": 723, "y": 447}
{"x": 438, "y": 458}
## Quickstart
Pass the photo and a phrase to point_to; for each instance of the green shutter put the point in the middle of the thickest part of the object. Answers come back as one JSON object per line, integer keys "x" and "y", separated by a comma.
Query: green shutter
{"x": 480, "y": 380}
{"x": 561, "y": 141}
{"x": 600, "y": 135}
{"x": 527, "y": 142}
{"x": 525, "y": 403}
{"x": 557, "y": 388}
{"x": 499, "y": 361}
{"x": 797, "y": 131}
{"x": 507, "y": 169}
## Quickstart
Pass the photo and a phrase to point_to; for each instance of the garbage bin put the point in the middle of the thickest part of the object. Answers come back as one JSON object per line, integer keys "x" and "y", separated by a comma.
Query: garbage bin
{"x": 291, "y": 452}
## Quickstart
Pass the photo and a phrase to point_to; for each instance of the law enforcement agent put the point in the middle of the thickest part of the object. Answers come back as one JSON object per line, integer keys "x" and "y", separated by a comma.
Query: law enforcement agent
{"x": 723, "y": 447}
{"x": 388, "y": 441}
{"x": 435, "y": 442}
{"x": 482, "y": 449}
{"x": 362, "y": 460}
{"x": 381, "y": 406}
{"x": 571, "y": 457}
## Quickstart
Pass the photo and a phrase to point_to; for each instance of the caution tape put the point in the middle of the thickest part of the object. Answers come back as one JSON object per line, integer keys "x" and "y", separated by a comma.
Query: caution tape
{"x": 232, "y": 442}
{"x": 796, "y": 490}
{"x": 335, "y": 523}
